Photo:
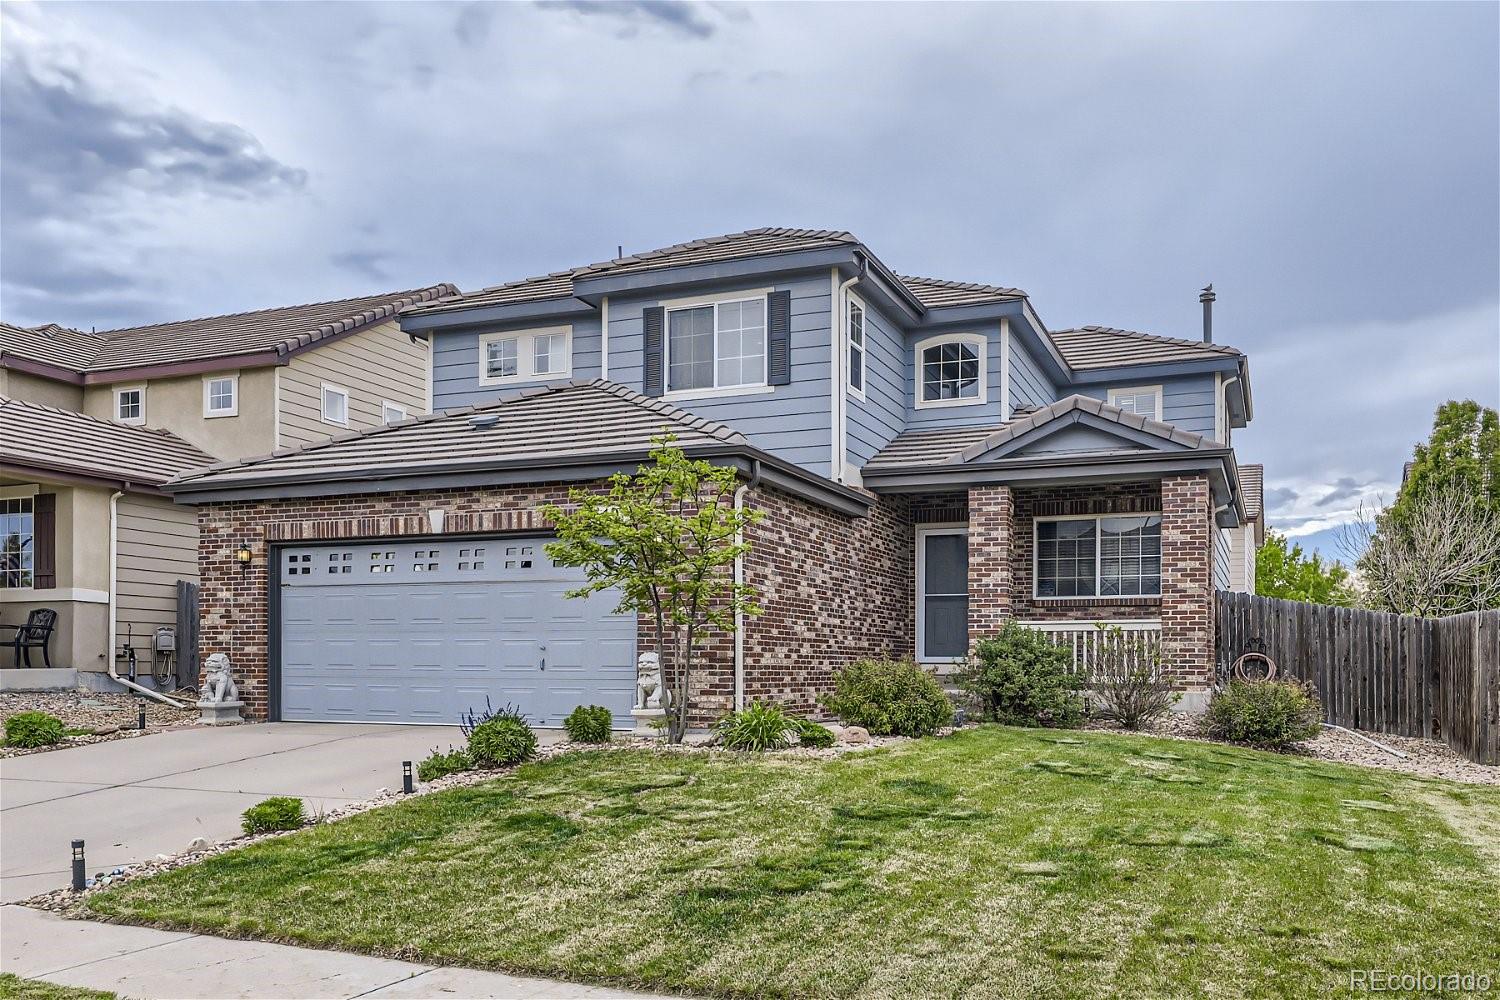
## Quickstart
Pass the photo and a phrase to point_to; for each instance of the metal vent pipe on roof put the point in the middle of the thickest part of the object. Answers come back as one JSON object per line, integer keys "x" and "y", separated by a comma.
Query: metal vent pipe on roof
{"x": 1207, "y": 297}
{"x": 481, "y": 421}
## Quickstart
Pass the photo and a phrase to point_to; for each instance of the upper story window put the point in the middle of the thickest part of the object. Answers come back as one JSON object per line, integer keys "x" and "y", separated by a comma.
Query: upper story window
{"x": 335, "y": 405}
{"x": 221, "y": 396}
{"x": 856, "y": 366}
{"x": 17, "y": 542}
{"x": 1144, "y": 400}
{"x": 716, "y": 345}
{"x": 525, "y": 355}
{"x": 391, "y": 413}
{"x": 130, "y": 404}
{"x": 950, "y": 370}
{"x": 1098, "y": 556}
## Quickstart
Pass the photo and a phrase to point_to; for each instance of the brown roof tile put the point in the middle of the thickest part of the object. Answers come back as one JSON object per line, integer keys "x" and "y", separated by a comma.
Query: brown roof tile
{"x": 1107, "y": 347}
{"x": 35, "y": 436}
{"x": 935, "y": 293}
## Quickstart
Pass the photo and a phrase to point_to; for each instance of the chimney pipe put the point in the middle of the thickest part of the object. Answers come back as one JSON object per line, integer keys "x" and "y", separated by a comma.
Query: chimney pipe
{"x": 1207, "y": 297}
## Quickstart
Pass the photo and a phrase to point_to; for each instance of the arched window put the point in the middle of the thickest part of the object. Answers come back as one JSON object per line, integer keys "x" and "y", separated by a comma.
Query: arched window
{"x": 950, "y": 370}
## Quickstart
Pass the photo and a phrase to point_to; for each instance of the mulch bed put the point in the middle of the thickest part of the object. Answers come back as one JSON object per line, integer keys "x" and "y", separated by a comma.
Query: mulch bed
{"x": 108, "y": 716}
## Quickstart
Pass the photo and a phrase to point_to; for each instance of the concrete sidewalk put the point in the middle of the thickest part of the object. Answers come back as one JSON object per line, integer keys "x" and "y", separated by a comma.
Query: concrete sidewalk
{"x": 166, "y": 965}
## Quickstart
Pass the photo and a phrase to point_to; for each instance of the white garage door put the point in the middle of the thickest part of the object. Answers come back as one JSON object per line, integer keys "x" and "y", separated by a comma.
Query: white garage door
{"x": 421, "y": 631}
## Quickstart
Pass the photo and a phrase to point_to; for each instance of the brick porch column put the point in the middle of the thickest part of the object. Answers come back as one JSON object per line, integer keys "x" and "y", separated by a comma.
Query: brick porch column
{"x": 991, "y": 546}
{"x": 1187, "y": 621}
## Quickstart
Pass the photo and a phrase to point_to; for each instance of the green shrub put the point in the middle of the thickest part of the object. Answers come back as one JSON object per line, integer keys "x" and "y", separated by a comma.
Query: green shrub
{"x": 1128, "y": 684}
{"x": 1019, "y": 678}
{"x": 759, "y": 726}
{"x": 589, "y": 724}
{"x": 33, "y": 729}
{"x": 501, "y": 741}
{"x": 279, "y": 812}
{"x": 812, "y": 734}
{"x": 889, "y": 698}
{"x": 1268, "y": 714}
{"x": 440, "y": 765}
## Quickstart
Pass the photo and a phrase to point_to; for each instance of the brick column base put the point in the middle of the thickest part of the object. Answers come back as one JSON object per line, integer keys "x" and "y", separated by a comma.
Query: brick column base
{"x": 1187, "y": 620}
{"x": 991, "y": 544}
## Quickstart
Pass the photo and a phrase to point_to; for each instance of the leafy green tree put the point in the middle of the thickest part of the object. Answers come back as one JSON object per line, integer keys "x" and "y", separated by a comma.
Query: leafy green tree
{"x": 668, "y": 538}
{"x": 1283, "y": 570}
{"x": 1463, "y": 454}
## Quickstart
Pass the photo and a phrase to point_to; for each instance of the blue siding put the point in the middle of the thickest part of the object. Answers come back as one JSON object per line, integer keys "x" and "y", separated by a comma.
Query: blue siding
{"x": 881, "y": 415}
{"x": 1029, "y": 385}
{"x": 1187, "y": 401}
{"x": 793, "y": 421}
{"x": 455, "y": 362}
{"x": 975, "y": 415}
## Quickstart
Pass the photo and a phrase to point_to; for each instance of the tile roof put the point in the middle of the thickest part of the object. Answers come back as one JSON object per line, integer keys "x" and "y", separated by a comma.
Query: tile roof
{"x": 560, "y": 424}
{"x": 1252, "y": 488}
{"x": 731, "y": 246}
{"x": 1107, "y": 347}
{"x": 935, "y": 293}
{"x": 283, "y": 330}
{"x": 960, "y": 445}
{"x": 36, "y": 436}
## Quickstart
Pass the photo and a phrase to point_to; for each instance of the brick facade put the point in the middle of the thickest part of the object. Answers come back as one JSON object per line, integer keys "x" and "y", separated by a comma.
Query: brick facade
{"x": 833, "y": 588}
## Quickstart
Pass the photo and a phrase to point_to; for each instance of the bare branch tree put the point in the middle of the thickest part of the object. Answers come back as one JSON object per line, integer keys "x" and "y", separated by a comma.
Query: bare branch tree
{"x": 1441, "y": 557}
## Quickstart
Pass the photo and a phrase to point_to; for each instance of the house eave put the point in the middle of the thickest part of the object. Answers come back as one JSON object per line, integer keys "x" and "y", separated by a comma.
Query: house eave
{"x": 77, "y": 477}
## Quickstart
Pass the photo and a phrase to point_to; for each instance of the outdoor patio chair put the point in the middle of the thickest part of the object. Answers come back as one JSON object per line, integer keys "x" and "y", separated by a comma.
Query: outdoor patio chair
{"x": 35, "y": 634}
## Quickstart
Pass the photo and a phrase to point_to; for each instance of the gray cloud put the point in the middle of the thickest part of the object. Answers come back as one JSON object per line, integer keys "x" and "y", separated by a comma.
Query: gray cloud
{"x": 369, "y": 263}
{"x": 631, "y": 15}
{"x": 1344, "y": 488}
{"x": 472, "y": 26}
{"x": 1280, "y": 497}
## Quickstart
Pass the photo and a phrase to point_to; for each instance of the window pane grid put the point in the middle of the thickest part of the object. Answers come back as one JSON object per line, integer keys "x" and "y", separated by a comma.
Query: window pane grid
{"x": 856, "y": 347}
{"x": 950, "y": 371}
{"x": 500, "y": 358}
{"x": 721, "y": 345}
{"x": 1104, "y": 557}
{"x": 17, "y": 542}
{"x": 221, "y": 394}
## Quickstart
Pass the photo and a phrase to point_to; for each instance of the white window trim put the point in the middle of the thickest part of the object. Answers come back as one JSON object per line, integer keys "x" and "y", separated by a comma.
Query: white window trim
{"x": 723, "y": 298}
{"x": 120, "y": 390}
{"x": 858, "y": 392}
{"x": 921, "y": 347}
{"x": 1126, "y": 390}
{"x": 323, "y": 390}
{"x": 208, "y": 380}
{"x": 386, "y": 406}
{"x": 1036, "y": 560}
{"x": 525, "y": 355}
{"x": 924, "y": 531}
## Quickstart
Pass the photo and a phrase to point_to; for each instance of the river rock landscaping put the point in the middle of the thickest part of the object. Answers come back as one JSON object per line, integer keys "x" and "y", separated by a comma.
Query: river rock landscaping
{"x": 104, "y": 716}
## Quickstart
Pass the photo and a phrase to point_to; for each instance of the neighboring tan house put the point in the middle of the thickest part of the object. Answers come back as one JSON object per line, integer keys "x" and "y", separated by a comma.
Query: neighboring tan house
{"x": 931, "y": 462}
{"x": 222, "y": 388}
{"x": 1246, "y": 540}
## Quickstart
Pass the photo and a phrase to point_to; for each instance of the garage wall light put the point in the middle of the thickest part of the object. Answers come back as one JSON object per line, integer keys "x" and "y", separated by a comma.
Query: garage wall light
{"x": 242, "y": 555}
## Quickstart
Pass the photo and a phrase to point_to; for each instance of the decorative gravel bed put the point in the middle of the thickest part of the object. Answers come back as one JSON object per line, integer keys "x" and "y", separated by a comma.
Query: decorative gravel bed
{"x": 1425, "y": 758}
{"x": 108, "y": 716}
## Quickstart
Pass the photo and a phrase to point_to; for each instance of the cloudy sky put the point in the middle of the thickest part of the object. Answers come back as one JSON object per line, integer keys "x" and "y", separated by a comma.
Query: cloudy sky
{"x": 1333, "y": 169}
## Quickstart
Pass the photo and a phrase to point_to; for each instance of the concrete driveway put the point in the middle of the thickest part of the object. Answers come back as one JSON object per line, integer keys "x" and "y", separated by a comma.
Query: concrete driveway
{"x": 130, "y": 800}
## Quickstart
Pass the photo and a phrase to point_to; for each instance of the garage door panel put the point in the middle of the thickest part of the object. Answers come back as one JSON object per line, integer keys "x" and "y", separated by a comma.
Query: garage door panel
{"x": 421, "y": 632}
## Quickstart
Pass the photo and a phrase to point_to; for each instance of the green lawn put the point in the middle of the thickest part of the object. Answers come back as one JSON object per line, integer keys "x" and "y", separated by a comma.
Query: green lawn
{"x": 998, "y": 862}
{"x": 15, "y": 988}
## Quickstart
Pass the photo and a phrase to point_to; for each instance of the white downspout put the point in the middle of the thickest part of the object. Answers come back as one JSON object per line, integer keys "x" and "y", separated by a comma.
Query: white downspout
{"x": 604, "y": 338}
{"x": 739, "y": 579}
{"x": 112, "y": 631}
{"x": 1005, "y": 369}
{"x": 840, "y": 338}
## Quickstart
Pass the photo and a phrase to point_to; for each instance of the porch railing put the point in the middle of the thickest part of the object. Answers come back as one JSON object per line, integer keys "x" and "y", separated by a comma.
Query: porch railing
{"x": 1138, "y": 641}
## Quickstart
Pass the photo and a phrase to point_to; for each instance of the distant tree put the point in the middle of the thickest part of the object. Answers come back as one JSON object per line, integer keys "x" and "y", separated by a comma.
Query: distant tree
{"x": 1283, "y": 570}
{"x": 1441, "y": 556}
{"x": 1463, "y": 454}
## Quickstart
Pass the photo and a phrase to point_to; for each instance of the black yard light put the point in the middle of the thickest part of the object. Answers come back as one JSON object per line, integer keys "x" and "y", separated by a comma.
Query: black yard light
{"x": 406, "y": 785}
{"x": 140, "y": 717}
{"x": 78, "y": 866}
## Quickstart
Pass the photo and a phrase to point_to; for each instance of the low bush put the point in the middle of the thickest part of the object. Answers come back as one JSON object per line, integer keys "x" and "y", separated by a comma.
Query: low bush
{"x": 889, "y": 698}
{"x": 33, "y": 729}
{"x": 589, "y": 724}
{"x": 1019, "y": 678}
{"x": 1266, "y": 714}
{"x": 813, "y": 734}
{"x": 472, "y": 720}
{"x": 440, "y": 765}
{"x": 1128, "y": 685}
{"x": 501, "y": 741}
{"x": 759, "y": 726}
{"x": 279, "y": 812}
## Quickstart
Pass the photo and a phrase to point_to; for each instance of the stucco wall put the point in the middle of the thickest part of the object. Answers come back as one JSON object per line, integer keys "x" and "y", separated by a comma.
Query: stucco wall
{"x": 176, "y": 404}
{"x": 20, "y": 385}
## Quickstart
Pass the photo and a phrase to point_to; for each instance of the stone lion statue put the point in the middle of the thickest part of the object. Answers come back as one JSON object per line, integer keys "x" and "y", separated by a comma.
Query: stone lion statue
{"x": 648, "y": 681}
{"x": 218, "y": 682}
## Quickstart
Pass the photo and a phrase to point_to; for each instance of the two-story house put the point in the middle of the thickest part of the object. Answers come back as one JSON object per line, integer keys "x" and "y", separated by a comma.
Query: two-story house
{"x": 930, "y": 458}
{"x": 93, "y": 423}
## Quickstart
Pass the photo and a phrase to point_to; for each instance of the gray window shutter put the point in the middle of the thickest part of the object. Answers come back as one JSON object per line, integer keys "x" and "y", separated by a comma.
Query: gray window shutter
{"x": 779, "y": 339}
{"x": 652, "y": 319}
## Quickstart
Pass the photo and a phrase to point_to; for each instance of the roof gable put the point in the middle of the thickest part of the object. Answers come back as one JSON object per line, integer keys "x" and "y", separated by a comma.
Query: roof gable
{"x": 1079, "y": 425}
{"x": 35, "y": 436}
{"x": 1092, "y": 347}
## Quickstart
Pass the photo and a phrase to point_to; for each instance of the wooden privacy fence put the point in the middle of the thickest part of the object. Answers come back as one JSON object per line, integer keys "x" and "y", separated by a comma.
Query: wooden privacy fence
{"x": 1383, "y": 673}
